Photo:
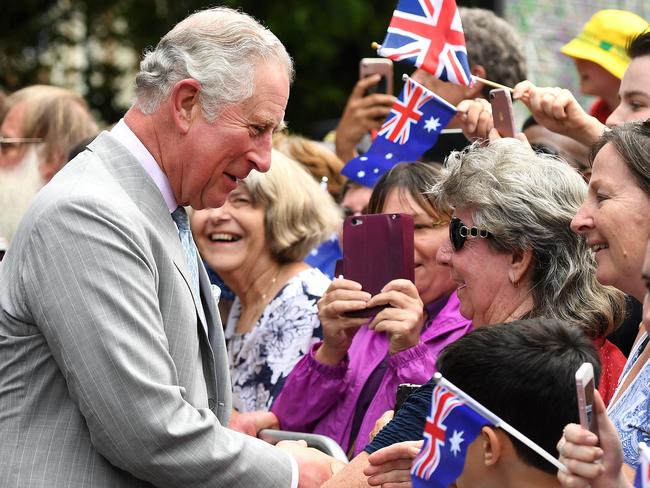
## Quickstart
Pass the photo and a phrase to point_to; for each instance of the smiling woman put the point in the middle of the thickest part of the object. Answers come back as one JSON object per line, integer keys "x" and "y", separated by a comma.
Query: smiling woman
{"x": 256, "y": 242}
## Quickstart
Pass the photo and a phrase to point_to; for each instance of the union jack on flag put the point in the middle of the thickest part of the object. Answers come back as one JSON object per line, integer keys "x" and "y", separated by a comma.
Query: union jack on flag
{"x": 406, "y": 112}
{"x": 429, "y": 34}
{"x": 642, "y": 478}
{"x": 449, "y": 430}
{"x": 412, "y": 127}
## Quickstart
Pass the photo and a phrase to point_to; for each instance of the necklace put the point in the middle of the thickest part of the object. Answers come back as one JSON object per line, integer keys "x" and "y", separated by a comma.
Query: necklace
{"x": 270, "y": 287}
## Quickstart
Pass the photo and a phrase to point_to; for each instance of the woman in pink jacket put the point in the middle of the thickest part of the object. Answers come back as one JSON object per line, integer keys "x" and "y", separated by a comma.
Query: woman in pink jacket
{"x": 348, "y": 380}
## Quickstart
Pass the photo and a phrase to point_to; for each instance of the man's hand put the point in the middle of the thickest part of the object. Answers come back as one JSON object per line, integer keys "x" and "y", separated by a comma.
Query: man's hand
{"x": 252, "y": 422}
{"x": 390, "y": 467}
{"x": 315, "y": 467}
{"x": 402, "y": 321}
{"x": 361, "y": 114}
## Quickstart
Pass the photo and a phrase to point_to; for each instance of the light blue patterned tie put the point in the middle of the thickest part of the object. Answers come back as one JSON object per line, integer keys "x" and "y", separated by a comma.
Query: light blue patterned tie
{"x": 183, "y": 223}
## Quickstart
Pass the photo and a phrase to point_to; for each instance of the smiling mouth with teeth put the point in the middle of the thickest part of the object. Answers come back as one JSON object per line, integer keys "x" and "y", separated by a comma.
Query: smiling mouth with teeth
{"x": 598, "y": 247}
{"x": 224, "y": 238}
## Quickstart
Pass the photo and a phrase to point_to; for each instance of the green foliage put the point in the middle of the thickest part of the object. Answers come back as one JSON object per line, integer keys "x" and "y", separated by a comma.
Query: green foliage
{"x": 326, "y": 40}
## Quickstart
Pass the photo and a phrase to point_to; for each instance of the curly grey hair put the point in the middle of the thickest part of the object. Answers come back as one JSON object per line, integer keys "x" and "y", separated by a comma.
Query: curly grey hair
{"x": 494, "y": 44}
{"x": 218, "y": 47}
{"x": 527, "y": 201}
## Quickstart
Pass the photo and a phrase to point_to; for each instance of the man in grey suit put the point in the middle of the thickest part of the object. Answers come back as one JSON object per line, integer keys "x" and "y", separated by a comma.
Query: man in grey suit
{"x": 112, "y": 358}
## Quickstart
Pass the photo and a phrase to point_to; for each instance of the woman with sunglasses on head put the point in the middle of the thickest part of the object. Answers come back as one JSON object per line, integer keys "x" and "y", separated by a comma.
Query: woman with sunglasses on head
{"x": 344, "y": 384}
{"x": 615, "y": 224}
{"x": 512, "y": 255}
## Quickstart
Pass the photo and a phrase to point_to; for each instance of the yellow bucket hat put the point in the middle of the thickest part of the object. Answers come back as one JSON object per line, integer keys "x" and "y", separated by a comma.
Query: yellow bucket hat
{"x": 604, "y": 38}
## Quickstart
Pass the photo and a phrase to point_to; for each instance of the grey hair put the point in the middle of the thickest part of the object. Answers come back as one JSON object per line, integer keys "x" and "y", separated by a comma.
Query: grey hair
{"x": 494, "y": 44}
{"x": 218, "y": 47}
{"x": 527, "y": 201}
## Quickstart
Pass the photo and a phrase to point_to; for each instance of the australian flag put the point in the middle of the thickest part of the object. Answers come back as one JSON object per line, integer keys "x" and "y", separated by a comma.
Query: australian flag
{"x": 429, "y": 34}
{"x": 450, "y": 428}
{"x": 642, "y": 478}
{"x": 412, "y": 127}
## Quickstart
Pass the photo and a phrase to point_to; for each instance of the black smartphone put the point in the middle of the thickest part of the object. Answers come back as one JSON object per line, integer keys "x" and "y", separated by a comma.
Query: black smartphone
{"x": 404, "y": 391}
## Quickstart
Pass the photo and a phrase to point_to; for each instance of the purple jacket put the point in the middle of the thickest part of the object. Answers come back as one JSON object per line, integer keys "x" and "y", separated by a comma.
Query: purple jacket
{"x": 322, "y": 399}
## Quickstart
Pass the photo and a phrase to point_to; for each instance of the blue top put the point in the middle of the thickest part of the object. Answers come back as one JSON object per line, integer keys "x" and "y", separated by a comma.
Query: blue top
{"x": 324, "y": 257}
{"x": 408, "y": 423}
{"x": 630, "y": 412}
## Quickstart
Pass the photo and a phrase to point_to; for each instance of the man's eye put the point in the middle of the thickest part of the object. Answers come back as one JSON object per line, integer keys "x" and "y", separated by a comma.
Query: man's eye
{"x": 257, "y": 130}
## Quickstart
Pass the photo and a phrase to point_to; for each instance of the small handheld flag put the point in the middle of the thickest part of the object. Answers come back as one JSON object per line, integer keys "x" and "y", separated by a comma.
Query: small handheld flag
{"x": 412, "y": 127}
{"x": 429, "y": 34}
{"x": 448, "y": 432}
{"x": 456, "y": 419}
{"x": 642, "y": 478}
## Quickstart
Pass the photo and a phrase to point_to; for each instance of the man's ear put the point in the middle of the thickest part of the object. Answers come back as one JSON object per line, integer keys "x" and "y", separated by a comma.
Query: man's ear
{"x": 52, "y": 163}
{"x": 185, "y": 103}
{"x": 492, "y": 446}
{"x": 476, "y": 90}
{"x": 520, "y": 263}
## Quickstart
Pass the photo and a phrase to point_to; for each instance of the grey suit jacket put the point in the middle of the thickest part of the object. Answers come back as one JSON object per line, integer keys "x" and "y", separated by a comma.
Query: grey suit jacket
{"x": 107, "y": 378}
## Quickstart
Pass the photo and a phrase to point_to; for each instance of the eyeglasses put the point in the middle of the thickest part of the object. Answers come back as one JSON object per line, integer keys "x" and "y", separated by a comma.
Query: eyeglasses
{"x": 459, "y": 232}
{"x": 9, "y": 143}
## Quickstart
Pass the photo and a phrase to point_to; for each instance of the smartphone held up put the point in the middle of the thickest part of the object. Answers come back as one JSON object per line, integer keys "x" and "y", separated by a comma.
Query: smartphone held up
{"x": 585, "y": 387}
{"x": 377, "y": 249}
{"x": 382, "y": 67}
{"x": 502, "y": 113}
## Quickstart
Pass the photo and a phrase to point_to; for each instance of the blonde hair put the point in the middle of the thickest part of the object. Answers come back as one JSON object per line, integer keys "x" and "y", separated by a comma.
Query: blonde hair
{"x": 315, "y": 157}
{"x": 298, "y": 214}
{"x": 58, "y": 116}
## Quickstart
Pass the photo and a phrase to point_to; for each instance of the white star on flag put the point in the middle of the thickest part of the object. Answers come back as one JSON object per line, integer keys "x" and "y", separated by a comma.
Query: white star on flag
{"x": 456, "y": 441}
{"x": 432, "y": 124}
{"x": 389, "y": 156}
{"x": 361, "y": 174}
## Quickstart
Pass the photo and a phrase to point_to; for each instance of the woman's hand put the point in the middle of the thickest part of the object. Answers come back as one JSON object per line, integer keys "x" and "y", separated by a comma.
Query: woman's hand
{"x": 361, "y": 114}
{"x": 338, "y": 330}
{"x": 587, "y": 463}
{"x": 386, "y": 417}
{"x": 558, "y": 110}
{"x": 390, "y": 467}
{"x": 252, "y": 422}
{"x": 403, "y": 319}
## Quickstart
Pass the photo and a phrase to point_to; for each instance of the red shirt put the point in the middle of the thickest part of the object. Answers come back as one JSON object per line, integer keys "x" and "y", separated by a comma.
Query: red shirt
{"x": 600, "y": 110}
{"x": 612, "y": 362}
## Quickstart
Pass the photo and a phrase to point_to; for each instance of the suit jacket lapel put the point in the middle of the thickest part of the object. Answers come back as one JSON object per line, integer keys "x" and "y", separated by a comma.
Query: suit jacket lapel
{"x": 144, "y": 192}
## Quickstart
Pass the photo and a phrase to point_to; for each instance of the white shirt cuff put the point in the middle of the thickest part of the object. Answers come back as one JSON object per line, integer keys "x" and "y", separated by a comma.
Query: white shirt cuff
{"x": 295, "y": 474}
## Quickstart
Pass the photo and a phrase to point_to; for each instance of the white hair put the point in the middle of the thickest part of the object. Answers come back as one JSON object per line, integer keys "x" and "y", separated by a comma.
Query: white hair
{"x": 18, "y": 185}
{"x": 218, "y": 47}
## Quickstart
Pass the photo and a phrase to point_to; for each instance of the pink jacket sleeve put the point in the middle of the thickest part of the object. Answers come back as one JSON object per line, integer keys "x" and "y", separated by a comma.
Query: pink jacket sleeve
{"x": 311, "y": 389}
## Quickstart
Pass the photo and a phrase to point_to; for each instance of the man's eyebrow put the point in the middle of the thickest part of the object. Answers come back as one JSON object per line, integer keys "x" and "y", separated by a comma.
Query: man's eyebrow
{"x": 281, "y": 126}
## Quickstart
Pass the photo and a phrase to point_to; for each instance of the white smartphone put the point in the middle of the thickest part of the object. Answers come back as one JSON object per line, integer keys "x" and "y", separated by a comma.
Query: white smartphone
{"x": 585, "y": 387}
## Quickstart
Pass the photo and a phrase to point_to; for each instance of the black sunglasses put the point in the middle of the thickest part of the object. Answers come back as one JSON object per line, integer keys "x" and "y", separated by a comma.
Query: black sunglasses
{"x": 459, "y": 232}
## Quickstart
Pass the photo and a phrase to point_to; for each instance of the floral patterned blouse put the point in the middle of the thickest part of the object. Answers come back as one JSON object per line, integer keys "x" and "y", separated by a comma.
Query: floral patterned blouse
{"x": 630, "y": 413}
{"x": 261, "y": 359}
